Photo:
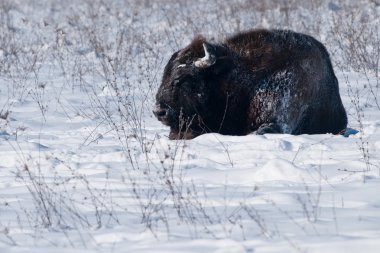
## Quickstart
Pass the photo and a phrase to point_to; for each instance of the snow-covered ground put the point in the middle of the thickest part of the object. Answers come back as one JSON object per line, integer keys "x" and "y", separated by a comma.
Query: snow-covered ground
{"x": 85, "y": 167}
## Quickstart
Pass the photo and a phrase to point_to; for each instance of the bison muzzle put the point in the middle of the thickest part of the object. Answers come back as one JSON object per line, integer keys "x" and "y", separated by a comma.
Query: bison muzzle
{"x": 261, "y": 81}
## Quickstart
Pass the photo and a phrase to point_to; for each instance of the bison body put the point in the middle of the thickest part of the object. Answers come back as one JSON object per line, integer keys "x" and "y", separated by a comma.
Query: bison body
{"x": 262, "y": 81}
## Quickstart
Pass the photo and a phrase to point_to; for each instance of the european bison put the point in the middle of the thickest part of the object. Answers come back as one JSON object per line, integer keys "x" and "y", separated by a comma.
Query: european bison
{"x": 262, "y": 81}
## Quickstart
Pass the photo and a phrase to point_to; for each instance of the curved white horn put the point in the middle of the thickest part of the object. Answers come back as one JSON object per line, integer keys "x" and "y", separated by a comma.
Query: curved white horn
{"x": 209, "y": 58}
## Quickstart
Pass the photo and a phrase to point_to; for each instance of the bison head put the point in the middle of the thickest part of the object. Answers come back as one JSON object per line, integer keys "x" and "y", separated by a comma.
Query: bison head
{"x": 187, "y": 93}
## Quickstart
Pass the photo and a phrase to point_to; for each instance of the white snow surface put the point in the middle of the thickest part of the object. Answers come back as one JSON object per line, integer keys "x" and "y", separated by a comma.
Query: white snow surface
{"x": 85, "y": 166}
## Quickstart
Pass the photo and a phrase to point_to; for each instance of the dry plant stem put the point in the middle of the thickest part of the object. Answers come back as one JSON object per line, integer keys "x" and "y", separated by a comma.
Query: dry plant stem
{"x": 109, "y": 55}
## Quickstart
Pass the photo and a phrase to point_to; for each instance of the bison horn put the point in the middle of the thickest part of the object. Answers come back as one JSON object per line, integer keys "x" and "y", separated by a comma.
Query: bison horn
{"x": 209, "y": 58}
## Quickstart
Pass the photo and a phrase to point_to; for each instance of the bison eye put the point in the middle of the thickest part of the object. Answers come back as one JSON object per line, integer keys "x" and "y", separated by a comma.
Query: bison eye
{"x": 180, "y": 81}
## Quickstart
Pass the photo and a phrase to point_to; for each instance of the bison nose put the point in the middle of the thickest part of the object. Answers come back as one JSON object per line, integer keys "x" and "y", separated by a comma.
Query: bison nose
{"x": 159, "y": 112}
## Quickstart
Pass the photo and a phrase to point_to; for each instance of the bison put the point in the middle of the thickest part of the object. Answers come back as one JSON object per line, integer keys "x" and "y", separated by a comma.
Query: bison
{"x": 261, "y": 81}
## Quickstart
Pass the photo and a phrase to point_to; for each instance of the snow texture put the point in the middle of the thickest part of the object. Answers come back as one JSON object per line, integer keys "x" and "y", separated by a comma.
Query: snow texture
{"x": 85, "y": 167}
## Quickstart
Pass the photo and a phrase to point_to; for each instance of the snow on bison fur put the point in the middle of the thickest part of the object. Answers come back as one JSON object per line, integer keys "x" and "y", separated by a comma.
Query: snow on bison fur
{"x": 261, "y": 81}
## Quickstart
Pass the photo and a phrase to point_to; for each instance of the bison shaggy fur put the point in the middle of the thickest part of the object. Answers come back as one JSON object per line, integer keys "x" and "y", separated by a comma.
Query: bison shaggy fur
{"x": 261, "y": 81}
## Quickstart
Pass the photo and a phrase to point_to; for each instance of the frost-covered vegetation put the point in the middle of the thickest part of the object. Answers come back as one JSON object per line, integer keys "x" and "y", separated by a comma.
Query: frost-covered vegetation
{"x": 84, "y": 165}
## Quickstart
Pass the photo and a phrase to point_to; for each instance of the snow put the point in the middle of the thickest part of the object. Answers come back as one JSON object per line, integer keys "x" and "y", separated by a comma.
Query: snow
{"x": 85, "y": 166}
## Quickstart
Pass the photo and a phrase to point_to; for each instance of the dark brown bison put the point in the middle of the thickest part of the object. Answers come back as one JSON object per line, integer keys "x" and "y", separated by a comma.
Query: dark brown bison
{"x": 262, "y": 81}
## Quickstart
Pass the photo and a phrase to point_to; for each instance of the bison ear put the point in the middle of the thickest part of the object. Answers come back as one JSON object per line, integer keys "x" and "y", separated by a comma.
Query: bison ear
{"x": 223, "y": 65}
{"x": 209, "y": 59}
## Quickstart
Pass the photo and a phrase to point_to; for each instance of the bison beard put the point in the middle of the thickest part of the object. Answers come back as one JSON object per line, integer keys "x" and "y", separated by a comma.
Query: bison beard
{"x": 262, "y": 81}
